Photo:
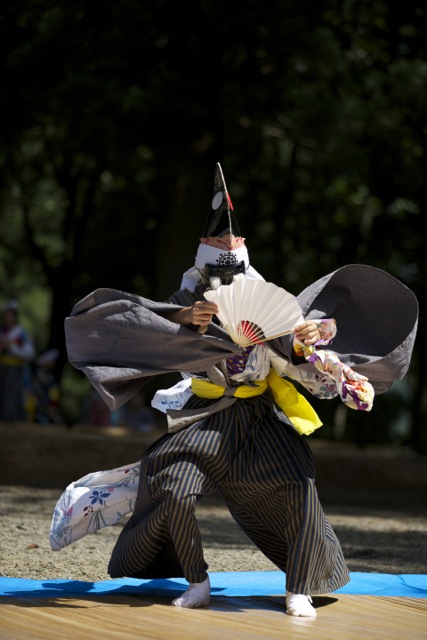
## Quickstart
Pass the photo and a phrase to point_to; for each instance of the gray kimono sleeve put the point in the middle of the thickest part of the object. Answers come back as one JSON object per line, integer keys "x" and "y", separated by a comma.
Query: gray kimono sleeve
{"x": 120, "y": 341}
{"x": 377, "y": 320}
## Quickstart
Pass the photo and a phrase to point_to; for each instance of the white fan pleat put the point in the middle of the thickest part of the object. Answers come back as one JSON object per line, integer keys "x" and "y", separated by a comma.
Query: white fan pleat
{"x": 250, "y": 310}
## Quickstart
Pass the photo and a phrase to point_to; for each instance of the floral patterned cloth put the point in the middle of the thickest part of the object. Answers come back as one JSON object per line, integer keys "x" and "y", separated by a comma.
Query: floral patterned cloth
{"x": 237, "y": 364}
{"x": 95, "y": 501}
{"x": 354, "y": 390}
{"x": 338, "y": 379}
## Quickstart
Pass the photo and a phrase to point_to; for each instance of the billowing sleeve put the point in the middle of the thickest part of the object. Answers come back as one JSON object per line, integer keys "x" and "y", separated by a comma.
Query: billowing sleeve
{"x": 120, "y": 341}
{"x": 376, "y": 318}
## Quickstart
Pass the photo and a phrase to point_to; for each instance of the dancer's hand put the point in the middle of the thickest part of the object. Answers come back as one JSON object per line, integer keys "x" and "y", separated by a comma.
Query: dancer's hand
{"x": 307, "y": 332}
{"x": 200, "y": 314}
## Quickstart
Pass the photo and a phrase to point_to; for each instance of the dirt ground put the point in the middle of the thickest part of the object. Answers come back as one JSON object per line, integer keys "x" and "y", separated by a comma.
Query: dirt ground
{"x": 373, "y": 540}
{"x": 375, "y": 500}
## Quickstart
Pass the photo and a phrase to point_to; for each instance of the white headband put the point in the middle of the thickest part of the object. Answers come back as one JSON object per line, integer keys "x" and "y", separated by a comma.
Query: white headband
{"x": 220, "y": 257}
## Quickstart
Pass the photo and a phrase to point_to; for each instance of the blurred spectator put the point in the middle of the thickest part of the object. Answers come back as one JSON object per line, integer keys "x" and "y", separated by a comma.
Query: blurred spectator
{"x": 16, "y": 352}
{"x": 46, "y": 389}
{"x": 135, "y": 414}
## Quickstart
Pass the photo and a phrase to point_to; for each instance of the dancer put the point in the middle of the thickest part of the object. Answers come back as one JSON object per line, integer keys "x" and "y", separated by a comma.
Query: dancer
{"x": 237, "y": 427}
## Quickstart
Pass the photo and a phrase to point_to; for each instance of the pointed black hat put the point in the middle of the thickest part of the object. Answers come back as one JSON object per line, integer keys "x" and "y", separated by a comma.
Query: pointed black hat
{"x": 220, "y": 219}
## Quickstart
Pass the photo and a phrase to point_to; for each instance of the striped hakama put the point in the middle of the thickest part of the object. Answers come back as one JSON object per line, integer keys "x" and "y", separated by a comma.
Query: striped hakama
{"x": 262, "y": 468}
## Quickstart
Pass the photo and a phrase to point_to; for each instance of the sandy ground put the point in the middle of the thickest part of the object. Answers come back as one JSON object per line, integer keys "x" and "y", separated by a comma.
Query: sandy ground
{"x": 375, "y": 498}
{"x": 374, "y": 537}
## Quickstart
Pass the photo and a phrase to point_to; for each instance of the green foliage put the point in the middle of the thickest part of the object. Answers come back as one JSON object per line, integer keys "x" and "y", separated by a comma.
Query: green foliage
{"x": 117, "y": 112}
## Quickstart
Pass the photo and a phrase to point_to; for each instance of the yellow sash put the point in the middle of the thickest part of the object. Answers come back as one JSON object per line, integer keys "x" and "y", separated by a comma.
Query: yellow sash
{"x": 293, "y": 404}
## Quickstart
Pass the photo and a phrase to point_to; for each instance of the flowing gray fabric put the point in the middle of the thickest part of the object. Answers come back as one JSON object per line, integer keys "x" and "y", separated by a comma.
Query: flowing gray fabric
{"x": 377, "y": 320}
{"x": 120, "y": 340}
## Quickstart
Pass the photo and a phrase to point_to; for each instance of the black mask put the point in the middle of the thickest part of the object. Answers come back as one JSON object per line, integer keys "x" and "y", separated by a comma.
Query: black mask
{"x": 224, "y": 273}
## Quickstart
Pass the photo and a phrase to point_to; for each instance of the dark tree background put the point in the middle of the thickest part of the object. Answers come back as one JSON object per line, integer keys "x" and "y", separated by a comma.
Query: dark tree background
{"x": 114, "y": 114}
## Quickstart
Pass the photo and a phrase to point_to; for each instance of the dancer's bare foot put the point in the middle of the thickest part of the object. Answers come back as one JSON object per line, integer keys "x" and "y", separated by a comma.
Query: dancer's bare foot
{"x": 198, "y": 594}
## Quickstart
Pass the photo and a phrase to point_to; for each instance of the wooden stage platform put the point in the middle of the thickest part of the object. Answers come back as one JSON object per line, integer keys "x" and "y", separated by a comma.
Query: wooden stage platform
{"x": 341, "y": 617}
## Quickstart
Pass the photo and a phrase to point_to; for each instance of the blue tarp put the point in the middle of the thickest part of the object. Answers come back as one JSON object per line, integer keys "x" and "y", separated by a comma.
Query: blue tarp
{"x": 233, "y": 584}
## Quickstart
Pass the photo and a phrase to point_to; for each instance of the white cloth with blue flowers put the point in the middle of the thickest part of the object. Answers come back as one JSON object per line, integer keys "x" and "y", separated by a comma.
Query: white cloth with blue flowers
{"x": 95, "y": 501}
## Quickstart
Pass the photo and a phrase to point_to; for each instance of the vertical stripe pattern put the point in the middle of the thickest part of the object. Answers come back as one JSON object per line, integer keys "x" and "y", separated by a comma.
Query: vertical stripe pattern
{"x": 264, "y": 471}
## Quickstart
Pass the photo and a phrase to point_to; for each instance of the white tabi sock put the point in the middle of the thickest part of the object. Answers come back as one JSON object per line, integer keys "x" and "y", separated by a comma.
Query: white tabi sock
{"x": 299, "y": 605}
{"x": 198, "y": 594}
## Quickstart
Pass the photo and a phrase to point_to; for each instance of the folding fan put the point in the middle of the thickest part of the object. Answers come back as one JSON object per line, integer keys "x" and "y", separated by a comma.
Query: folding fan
{"x": 252, "y": 311}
